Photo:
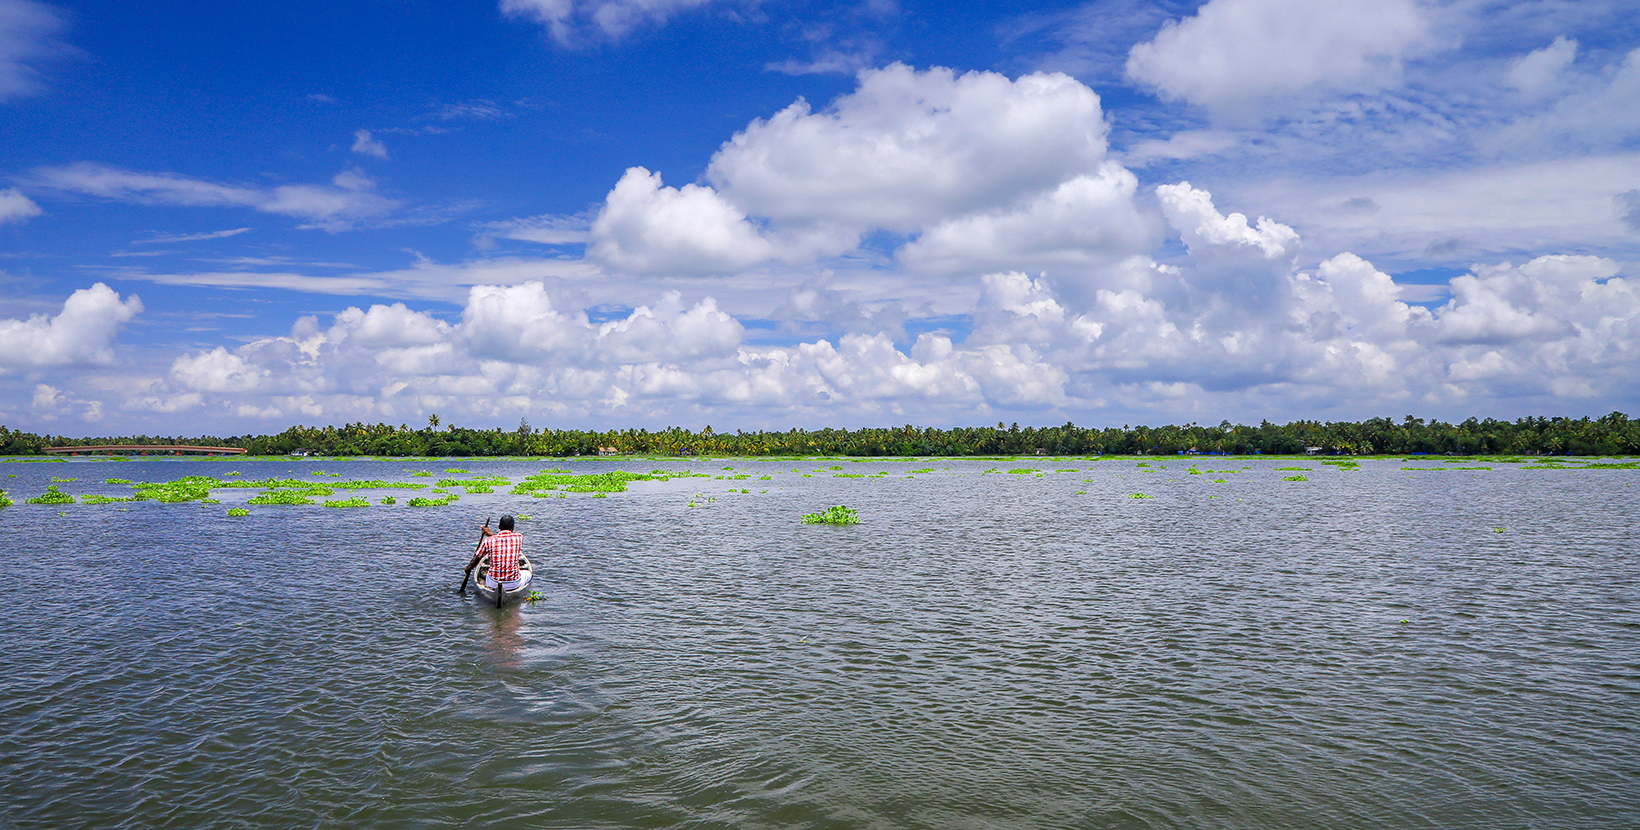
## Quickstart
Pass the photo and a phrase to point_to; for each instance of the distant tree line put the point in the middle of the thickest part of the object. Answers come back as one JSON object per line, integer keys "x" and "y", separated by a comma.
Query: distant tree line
{"x": 1613, "y": 434}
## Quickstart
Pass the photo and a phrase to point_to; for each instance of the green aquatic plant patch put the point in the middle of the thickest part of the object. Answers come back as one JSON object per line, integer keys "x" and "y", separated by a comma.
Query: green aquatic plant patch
{"x": 389, "y": 500}
{"x": 185, "y": 489}
{"x": 836, "y": 515}
{"x": 64, "y": 480}
{"x": 117, "y": 481}
{"x": 1140, "y": 496}
{"x": 104, "y": 499}
{"x": 353, "y": 502}
{"x": 5, "y": 500}
{"x": 421, "y": 501}
{"x": 1289, "y": 469}
{"x": 238, "y": 511}
{"x": 1294, "y": 478}
{"x": 614, "y": 481}
{"x": 286, "y": 497}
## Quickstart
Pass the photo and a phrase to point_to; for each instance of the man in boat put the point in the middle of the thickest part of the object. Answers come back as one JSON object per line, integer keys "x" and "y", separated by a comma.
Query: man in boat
{"x": 502, "y": 549}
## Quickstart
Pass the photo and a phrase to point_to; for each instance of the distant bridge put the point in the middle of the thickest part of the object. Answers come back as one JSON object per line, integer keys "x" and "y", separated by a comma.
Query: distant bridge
{"x": 144, "y": 449}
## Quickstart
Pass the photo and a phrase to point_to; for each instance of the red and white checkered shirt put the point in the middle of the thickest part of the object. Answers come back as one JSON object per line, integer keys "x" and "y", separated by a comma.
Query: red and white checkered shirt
{"x": 503, "y": 549}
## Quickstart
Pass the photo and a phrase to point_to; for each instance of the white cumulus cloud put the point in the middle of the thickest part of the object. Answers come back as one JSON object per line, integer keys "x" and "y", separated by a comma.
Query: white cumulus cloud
{"x": 1233, "y": 55}
{"x": 81, "y": 333}
{"x": 646, "y": 227}
{"x": 910, "y": 148}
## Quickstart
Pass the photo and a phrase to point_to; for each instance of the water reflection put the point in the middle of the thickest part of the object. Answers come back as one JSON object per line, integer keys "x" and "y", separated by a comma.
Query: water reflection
{"x": 504, "y": 640}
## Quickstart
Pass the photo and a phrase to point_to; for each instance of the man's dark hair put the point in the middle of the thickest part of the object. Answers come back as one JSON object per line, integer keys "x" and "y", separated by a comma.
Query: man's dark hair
{"x": 506, "y": 523}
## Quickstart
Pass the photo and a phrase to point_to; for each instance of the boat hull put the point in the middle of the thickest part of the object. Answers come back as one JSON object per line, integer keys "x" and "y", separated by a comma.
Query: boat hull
{"x": 526, "y": 575}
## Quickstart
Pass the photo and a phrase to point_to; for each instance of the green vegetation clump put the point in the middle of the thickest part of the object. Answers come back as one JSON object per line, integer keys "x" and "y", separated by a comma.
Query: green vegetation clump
{"x": 422, "y": 474}
{"x": 185, "y": 489}
{"x": 238, "y": 511}
{"x": 357, "y": 484}
{"x": 426, "y": 502}
{"x": 52, "y": 495}
{"x": 353, "y": 502}
{"x": 117, "y": 481}
{"x": 455, "y": 471}
{"x": 1294, "y": 478}
{"x": 1140, "y": 496}
{"x": 1286, "y": 469}
{"x": 838, "y": 515}
{"x": 389, "y": 500}
{"x": 280, "y": 497}
{"x": 5, "y": 500}
{"x": 614, "y": 481}
{"x": 64, "y": 480}
{"x": 104, "y": 499}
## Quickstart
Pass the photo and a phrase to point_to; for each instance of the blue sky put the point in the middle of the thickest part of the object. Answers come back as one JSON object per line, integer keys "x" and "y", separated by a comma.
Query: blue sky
{"x": 623, "y": 213}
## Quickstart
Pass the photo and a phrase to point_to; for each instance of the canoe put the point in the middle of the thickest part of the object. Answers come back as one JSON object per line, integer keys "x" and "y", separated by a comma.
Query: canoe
{"x": 488, "y": 594}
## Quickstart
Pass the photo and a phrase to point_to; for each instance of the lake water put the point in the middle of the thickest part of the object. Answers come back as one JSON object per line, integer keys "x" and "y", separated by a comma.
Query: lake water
{"x": 1372, "y": 648}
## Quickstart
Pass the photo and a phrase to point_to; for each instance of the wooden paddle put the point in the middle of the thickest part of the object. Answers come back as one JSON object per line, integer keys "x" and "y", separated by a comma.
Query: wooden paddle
{"x": 468, "y": 574}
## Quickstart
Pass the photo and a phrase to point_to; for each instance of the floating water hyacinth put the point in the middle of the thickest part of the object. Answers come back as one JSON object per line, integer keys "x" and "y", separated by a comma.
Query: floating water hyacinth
{"x": 52, "y": 495}
{"x": 1140, "y": 496}
{"x": 286, "y": 497}
{"x": 353, "y": 502}
{"x": 1294, "y": 478}
{"x": 238, "y": 511}
{"x": 838, "y": 515}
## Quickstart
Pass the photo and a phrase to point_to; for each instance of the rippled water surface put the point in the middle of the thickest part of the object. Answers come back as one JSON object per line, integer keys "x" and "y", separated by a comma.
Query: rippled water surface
{"x": 1372, "y": 648}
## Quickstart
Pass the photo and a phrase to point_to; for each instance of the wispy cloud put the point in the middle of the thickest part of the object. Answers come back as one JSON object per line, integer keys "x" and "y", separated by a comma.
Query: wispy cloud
{"x": 15, "y": 207}
{"x": 166, "y": 239}
{"x": 574, "y": 22}
{"x": 549, "y": 229}
{"x": 366, "y": 145}
{"x": 348, "y": 202}
{"x": 477, "y": 109}
{"x": 28, "y": 40}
